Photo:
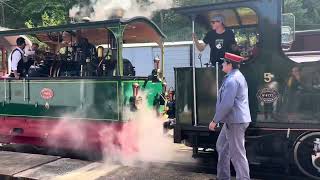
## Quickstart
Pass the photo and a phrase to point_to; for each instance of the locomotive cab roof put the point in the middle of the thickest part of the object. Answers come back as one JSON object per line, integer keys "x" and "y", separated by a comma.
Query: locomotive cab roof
{"x": 236, "y": 14}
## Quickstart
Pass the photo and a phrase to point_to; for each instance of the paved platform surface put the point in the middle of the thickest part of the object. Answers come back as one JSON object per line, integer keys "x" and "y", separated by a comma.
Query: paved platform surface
{"x": 35, "y": 166}
{"x": 52, "y": 169}
{"x": 135, "y": 173}
{"x": 24, "y": 166}
{"x": 13, "y": 163}
{"x": 28, "y": 166}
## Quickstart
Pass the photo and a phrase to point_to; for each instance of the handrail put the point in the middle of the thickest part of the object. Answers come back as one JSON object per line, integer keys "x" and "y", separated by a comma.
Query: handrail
{"x": 300, "y": 53}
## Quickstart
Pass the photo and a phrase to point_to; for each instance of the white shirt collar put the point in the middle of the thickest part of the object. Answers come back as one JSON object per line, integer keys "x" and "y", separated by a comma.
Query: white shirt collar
{"x": 20, "y": 49}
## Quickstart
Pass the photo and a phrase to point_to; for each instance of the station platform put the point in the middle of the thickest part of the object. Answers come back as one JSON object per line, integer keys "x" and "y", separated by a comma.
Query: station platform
{"x": 16, "y": 165}
{"x": 26, "y": 164}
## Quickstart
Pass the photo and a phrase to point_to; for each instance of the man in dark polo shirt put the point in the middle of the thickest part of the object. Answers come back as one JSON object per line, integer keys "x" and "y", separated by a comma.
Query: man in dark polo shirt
{"x": 220, "y": 40}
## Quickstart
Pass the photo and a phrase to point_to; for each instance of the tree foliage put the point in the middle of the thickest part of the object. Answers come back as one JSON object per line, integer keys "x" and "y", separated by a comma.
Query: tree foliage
{"x": 34, "y": 13}
{"x": 306, "y": 12}
{"x": 17, "y": 13}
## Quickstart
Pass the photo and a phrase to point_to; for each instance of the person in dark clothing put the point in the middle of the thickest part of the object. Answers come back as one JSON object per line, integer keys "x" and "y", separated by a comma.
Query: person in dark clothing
{"x": 87, "y": 48}
{"x": 86, "y": 55}
{"x": 220, "y": 40}
{"x": 32, "y": 56}
{"x": 16, "y": 58}
{"x": 294, "y": 89}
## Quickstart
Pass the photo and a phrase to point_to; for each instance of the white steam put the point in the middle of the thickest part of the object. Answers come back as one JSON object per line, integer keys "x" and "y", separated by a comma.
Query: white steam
{"x": 142, "y": 139}
{"x": 103, "y": 9}
{"x": 138, "y": 142}
{"x": 73, "y": 12}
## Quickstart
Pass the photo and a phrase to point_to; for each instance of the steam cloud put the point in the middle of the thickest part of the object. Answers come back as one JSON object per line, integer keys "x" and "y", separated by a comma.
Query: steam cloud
{"x": 148, "y": 143}
{"x": 103, "y": 9}
{"x": 140, "y": 140}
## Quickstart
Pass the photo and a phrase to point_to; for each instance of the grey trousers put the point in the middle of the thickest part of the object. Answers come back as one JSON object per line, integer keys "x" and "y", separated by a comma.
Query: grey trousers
{"x": 230, "y": 146}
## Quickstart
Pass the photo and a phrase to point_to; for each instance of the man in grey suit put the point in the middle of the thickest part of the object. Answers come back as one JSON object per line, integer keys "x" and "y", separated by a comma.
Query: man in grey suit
{"x": 232, "y": 109}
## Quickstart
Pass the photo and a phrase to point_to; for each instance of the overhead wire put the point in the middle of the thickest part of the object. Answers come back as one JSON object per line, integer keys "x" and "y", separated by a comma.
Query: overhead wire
{"x": 13, "y": 8}
{"x": 5, "y": 3}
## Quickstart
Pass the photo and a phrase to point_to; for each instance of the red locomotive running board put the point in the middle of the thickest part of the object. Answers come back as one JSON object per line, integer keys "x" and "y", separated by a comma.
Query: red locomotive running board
{"x": 69, "y": 134}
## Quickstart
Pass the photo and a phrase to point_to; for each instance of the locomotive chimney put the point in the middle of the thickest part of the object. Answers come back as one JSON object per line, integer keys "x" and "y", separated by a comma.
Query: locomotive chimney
{"x": 117, "y": 13}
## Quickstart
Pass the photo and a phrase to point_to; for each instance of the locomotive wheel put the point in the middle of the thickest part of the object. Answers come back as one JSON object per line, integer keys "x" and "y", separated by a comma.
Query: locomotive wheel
{"x": 302, "y": 154}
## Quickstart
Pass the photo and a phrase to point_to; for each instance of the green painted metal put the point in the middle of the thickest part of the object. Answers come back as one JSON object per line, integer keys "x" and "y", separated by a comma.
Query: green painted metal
{"x": 120, "y": 58}
{"x": 96, "y": 24}
{"x": 80, "y": 98}
{"x": 151, "y": 90}
{"x": 118, "y": 32}
{"x": 75, "y": 98}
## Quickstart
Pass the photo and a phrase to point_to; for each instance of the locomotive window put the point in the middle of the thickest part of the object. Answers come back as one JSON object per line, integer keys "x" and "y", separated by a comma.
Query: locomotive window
{"x": 248, "y": 42}
{"x": 247, "y": 36}
{"x": 248, "y": 16}
{"x": 300, "y": 92}
{"x": 238, "y": 17}
{"x": 244, "y": 22}
{"x": 300, "y": 37}
{"x": 71, "y": 53}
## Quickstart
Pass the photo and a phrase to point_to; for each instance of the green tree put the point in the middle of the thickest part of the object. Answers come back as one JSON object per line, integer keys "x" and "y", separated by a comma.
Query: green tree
{"x": 34, "y": 13}
{"x": 46, "y": 20}
{"x": 18, "y": 12}
{"x": 312, "y": 15}
{"x": 296, "y": 7}
{"x": 307, "y": 13}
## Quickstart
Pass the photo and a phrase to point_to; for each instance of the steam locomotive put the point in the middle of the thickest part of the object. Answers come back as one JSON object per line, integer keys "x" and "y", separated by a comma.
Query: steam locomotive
{"x": 78, "y": 81}
{"x": 283, "y": 75}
